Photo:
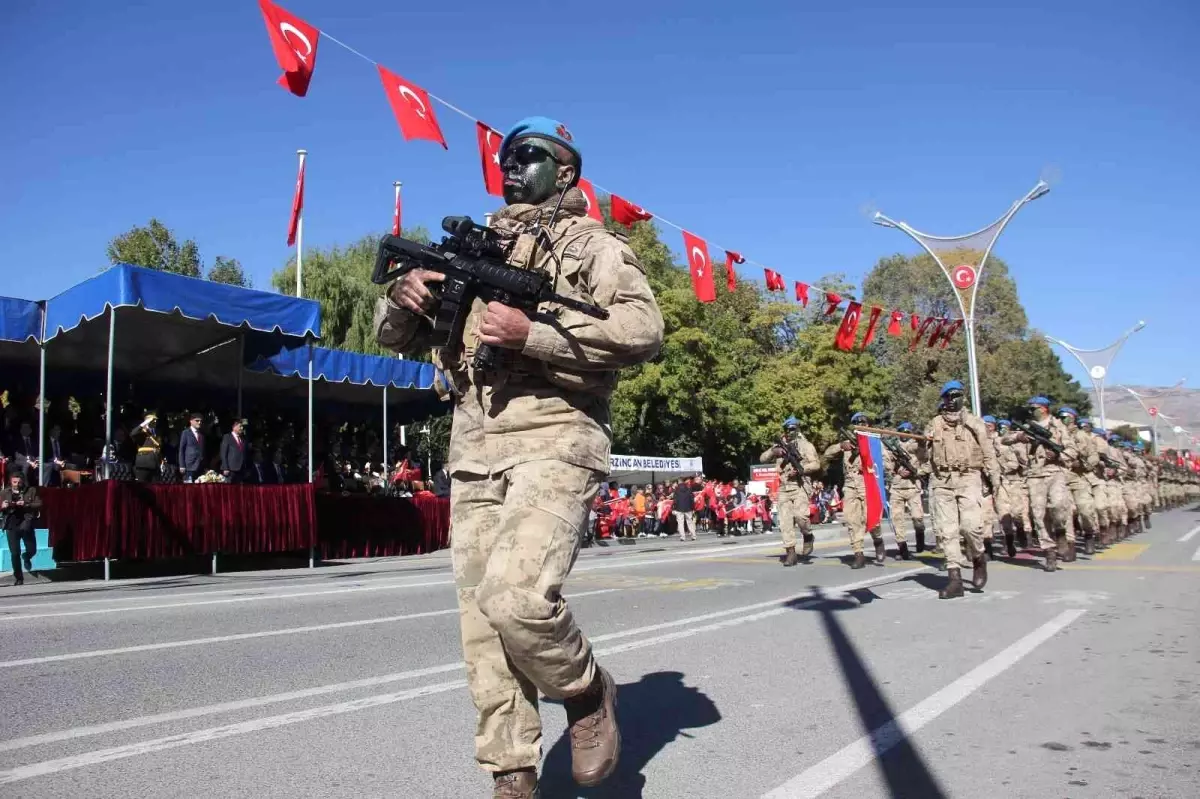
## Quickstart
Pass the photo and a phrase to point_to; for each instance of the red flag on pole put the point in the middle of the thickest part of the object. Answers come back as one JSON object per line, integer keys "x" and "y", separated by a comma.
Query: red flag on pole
{"x": 914, "y": 322}
{"x": 774, "y": 280}
{"x": 912, "y": 346}
{"x": 410, "y": 103}
{"x": 950, "y": 331}
{"x": 848, "y": 329}
{"x": 894, "y": 323}
{"x": 627, "y": 213}
{"x": 802, "y": 293}
{"x": 937, "y": 331}
{"x": 489, "y": 157}
{"x": 876, "y": 312}
{"x": 396, "y": 212}
{"x": 832, "y": 301}
{"x": 295, "y": 44}
{"x": 732, "y": 258}
{"x": 589, "y": 193}
{"x": 870, "y": 460}
{"x": 297, "y": 205}
{"x": 700, "y": 267}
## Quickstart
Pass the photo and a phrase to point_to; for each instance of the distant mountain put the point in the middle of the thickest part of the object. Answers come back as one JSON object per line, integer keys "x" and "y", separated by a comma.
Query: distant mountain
{"x": 1183, "y": 407}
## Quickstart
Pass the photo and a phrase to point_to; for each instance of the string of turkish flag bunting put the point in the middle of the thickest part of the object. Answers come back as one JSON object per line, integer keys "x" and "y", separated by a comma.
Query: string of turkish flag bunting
{"x": 294, "y": 43}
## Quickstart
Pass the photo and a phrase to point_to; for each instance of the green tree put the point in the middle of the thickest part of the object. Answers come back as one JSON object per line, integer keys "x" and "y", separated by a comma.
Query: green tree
{"x": 228, "y": 271}
{"x": 155, "y": 247}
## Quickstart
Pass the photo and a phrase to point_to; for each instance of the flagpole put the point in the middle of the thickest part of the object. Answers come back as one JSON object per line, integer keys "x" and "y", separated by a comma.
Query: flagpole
{"x": 396, "y": 212}
{"x": 300, "y": 236}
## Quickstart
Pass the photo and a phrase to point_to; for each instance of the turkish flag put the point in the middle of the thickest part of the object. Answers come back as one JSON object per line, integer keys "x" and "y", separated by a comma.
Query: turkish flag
{"x": 589, "y": 192}
{"x": 700, "y": 266}
{"x": 396, "y": 215}
{"x": 489, "y": 156}
{"x": 950, "y": 331}
{"x": 732, "y": 258}
{"x": 832, "y": 301}
{"x": 774, "y": 280}
{"x": 802, "y": 293}
{"x": 410, "y": 103}
{"x": 295, "y": 44}
{"x": 912, "y": 346}
{"x": 937, "y": 331}
{"x": 627, "y": 213}
{"x": 848, "y": 329}
{"x": 894, "y": 323}
{"x": 297, "y": 206}
{"x": 914, "y": 321}
{"x": 876, "y": 312}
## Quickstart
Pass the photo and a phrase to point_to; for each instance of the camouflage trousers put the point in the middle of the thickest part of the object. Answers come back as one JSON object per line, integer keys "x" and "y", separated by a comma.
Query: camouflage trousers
{"x": 1118, "y": 512}
{"x": 1012, "y": 503}
{"x": 793, "y": 505}
{"x": 1100, "y": 500}
{"x": 1049, "y": 506}
{"x": 1133, "y": 498}
{"x": 514, "y": 538}
{"x": 958, "y": 511}
{"x": 1085, "y": 504}
{"x": 905, "y": 501}
{"x": 854, "y": 514}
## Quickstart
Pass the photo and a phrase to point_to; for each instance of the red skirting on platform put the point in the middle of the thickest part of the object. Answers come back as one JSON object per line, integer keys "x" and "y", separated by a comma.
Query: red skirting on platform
{"x": 361, "y": 526}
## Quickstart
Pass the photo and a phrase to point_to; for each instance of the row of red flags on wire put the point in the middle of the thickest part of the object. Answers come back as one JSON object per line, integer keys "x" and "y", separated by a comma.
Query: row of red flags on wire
{"x": 295, "y": 41}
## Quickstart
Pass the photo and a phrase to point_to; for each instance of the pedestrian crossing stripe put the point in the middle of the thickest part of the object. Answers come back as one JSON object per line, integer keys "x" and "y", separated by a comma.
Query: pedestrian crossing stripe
{"x": 1123, "y": 551}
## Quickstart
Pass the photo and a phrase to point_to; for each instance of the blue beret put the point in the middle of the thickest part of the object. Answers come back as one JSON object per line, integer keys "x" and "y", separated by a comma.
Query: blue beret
{"x": 1003, "y": 423}
{"x": 858, "y": 417}
{"x": 791, "y": 421}
{"x": 542, "y": 128}
{"x": 953, "y": 385}
{"x": 989, "y": 419}
{"x": 1067, "y": 409}
{"x": 1039, "y": 401}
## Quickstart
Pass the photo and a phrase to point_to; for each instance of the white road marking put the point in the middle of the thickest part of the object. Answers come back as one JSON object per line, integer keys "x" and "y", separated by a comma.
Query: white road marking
{"x": 1189, "y": 535}
{"x": 1197, "y": 555}
{"x": 221, "y": 639}
{"x": 774, "y": 608}
{"x": 615, "y": 563}
{"x": 842, "y": 764}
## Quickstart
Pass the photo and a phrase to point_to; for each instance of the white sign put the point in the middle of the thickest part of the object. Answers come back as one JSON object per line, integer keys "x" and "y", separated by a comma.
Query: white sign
{"x": 650, "y": 463}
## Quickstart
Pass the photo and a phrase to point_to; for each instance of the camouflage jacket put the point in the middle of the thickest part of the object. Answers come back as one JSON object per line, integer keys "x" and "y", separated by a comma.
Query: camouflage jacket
{"x": 961, "y": 443}
{"x": 788, "y": 478}
{"x": 550, "y": 401}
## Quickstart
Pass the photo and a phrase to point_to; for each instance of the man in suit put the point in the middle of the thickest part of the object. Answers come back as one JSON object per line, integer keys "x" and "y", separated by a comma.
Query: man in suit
{"x": 441, "y": 482}
{"x": 56, "y": 448}
{"x": 19, "y": 506}
{"x": 25, "y": 451}
{"x": 233, "y": 453}
{"x": 261, "y": 473}
{"x": 191, "y": 449}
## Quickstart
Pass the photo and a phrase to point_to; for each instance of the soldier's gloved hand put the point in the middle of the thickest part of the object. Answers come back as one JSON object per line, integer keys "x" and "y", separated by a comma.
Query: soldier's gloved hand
{"x": 504, "y": 326}
{"x": 411, "y": 293}
{"x": 847, "y": 446}
{"x": 904, "y": 472}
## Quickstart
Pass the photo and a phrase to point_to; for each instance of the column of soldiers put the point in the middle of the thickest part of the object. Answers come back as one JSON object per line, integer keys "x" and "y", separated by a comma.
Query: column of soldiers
{"x": 1043, "y": 483}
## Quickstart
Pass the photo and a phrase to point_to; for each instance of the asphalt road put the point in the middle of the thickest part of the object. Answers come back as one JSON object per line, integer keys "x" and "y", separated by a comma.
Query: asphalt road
{"x": 738, "y": 678}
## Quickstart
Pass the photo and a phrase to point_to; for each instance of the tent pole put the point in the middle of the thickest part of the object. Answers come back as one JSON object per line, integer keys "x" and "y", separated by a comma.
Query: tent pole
{"x": 385, "y": 432}
{"x": 108, "y": 398}
{"x": 241, "y": 368}
{"x": 42, "y": 417}
{"x": 312, "y": 550}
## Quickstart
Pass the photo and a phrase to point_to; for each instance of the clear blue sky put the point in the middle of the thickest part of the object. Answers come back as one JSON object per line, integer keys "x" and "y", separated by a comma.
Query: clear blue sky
{"x": 765, "y": 127}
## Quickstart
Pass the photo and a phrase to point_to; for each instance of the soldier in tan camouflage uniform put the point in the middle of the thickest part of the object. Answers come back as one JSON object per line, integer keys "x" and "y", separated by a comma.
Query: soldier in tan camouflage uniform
{"x": 1114, "y": 477}
{"x": 904, "y": 498}
{"x": 962, "y": 459}
{"x": 529, "y": 446}
{"x": 795, "y": 489}
{"x": 1096, "y": 481}
{"x": 1085, "y": 462}
{"x": 1012, "y": 500}
{"x": 1049, "y": 500}
{"x": 991, "y": 502}
{"x": 854, "y": 498}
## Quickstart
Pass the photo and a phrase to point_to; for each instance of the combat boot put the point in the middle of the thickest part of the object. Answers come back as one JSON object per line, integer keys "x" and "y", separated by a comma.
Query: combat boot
{"x": 595, "y": 737}
{"x": 1146, "y": 522}
{"x": 1010, "y": 544}
{"x": 954, "y": 588}
{"x": 1022, "y": 538}
{"x": 1070, "y": 556}
{"x": 919, "y": 533}
{"x": 1060, "y": 542}
{"x": 1051, "y": 560}
{"x": 860, "y": 561}
{"x": 789, "y": 559}
{"x": 880, "y": 552}
{"x": 904, "y": 553}
{"x": 807, "y": 549}
{"x": 1089, "y": 543}
{"x": 979, "y": 577}
{"x": 987, "y": 548}
{"x": 516, "y": 785}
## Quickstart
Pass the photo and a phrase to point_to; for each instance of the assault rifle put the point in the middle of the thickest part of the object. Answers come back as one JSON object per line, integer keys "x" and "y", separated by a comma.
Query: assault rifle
{"x": 1119, "y": 468}
{"x": 1038, "y": 435}
{"x": 791, "y": 456}
{"x": 897, "y": 449}
{"x": 475, "y": 264}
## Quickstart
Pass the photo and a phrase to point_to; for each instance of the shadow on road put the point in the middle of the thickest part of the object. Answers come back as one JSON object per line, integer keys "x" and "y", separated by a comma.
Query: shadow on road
{"x": 652, "y": 712}
{"x": 900, "y": 764}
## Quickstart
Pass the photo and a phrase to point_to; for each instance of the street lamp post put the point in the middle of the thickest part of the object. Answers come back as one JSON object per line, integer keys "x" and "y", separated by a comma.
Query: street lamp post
{"x": 1153, "y": 411}
{"x": 957, "y": 255}
{"x": 1097, "y": 362}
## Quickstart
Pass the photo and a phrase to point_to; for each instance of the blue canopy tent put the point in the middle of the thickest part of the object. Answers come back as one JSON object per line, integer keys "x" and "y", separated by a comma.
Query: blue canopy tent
{"x": 172, "y": 328}
{"x": 352, "y": 378}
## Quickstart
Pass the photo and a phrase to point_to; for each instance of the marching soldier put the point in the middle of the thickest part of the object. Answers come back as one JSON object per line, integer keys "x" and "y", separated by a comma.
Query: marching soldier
{"x": 962, "y": 458}
{"x": 1113, "y": 476}
{"x": 854, "y": 497}
{"x": 795, "y": 487}
{"x": 1012, "y": 500}
{"x": 1049, "y": 502}
{"x": 1085, "y": 436}
{"x": 991, "y": 512}
{"x": 1085, "y": 462}
{"x": 1141, "y": 477}
{"x": 905, "y": 496}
